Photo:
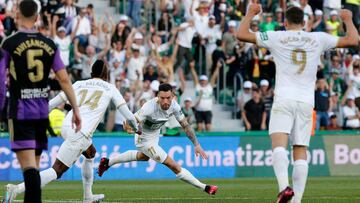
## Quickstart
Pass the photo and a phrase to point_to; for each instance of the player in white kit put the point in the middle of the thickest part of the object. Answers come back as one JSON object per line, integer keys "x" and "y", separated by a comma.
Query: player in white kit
{"x": 93, "y": 97}
{"x": 296, "y": 54}
{"x": 152, "y": 116}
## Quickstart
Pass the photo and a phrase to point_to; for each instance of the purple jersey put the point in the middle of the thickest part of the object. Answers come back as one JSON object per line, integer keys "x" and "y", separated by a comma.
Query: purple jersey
{"x": 29, "y": 56}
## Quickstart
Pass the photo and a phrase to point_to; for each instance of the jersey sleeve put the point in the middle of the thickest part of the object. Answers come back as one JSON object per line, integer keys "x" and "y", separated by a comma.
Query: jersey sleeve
{"x": 264, "y": 39}
{"x": 117, "y": 98}
{"x": 144, "y": 111}
{"x": 4, "y": 58}
{"x": 178, "y": 113}
{"x": 58, "y": 63}
{"x": 327, "y": 41}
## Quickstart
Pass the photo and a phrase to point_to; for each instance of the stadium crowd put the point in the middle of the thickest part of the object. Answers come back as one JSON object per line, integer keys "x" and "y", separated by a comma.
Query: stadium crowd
{"x": 195, "y": 40}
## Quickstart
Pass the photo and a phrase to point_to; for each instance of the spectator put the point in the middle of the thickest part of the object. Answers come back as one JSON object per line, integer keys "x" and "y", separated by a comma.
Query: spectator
{"x": 229, "y": 38}
{"x": 322, "y": 104}
{"x": 268, "y": 24}
{"x": 267, "y": 96}
{"x": 83, "y": 27}
{"x": 336, "y": 84}
{"x": 333, "y": 25}
{"x": 355, "y": 83}
{"x": 62, "y": 41}
{"x": 117, "y": 61}
{"x": 150, "y": 73}
{"x": 135, "y": 64}
{"x": 56, "y": 117}
{"x": 213, "y": 33}
{"x": 319, "y": 24}
{"x": 337, "y": 66}
{"x": 330, "y": 5}
{"x": 119, "y": 118}
{"x": 243, "y": 97}
{"x": 354, "y": 7}
{"x": 134, "y": 11}
{"x": 204, "y": 93}
{"x": 87, "y": 59}
{"x": 351, "y": 114}
{"x": 279, "y": 19}
{"x": 122, "y": 30}
{"x": 333, "y": 125}
{"x": 186, "y": 33}
{"x": 188, "y": 111}
{"x": 254, "y": 114}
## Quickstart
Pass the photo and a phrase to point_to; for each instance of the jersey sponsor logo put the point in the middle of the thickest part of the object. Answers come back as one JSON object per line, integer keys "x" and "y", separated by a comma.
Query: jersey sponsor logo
{"x": 35, "y": 93}
{"x": 263, "y": 36}
{"x": 154, "y": 125}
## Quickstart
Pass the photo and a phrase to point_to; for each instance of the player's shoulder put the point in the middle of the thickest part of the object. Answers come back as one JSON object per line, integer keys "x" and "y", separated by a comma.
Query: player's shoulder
{"x": 9, "y": 40}
{"x": 175, "y": 105}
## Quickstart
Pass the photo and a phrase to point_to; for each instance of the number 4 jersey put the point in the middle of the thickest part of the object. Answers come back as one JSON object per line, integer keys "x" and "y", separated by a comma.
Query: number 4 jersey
{"x": 29, "y": 56}
{"x": 297, "y": 56}
{"x": 93, "y": 97}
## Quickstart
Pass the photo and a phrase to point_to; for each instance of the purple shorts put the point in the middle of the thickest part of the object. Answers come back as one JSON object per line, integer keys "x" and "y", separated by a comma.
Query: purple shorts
{"x": 28, "y": 134}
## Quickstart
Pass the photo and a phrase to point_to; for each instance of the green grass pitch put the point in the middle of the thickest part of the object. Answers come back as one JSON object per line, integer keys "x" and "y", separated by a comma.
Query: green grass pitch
{"x": 250, "y": 190}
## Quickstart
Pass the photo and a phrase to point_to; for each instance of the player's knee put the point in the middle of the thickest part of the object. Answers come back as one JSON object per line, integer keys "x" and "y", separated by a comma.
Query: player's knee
{"x": 142, "y": 157}
{"x": 90, "y": 152}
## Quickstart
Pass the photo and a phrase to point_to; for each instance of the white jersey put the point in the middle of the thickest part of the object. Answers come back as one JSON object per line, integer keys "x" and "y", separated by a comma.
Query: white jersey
{"x": 296, "y": 55}
{"x": 93, "y": 97}
{"x": 152, "y": 117}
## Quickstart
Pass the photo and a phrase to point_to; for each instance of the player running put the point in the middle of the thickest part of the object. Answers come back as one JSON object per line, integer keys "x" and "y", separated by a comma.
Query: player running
{"x": 297, "y": 55}
{"x": 152, "y": 115}
{"x": 94, "y": 96}
{"x": 30, "y": 56}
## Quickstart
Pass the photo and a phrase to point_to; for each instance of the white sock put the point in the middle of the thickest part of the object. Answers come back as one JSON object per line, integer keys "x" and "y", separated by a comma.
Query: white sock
{"x": 127, "y": 156}
{"x": 299, "y": 176}
{"x": 87, "y": 176}
{"x": 46, "y": 177}
{"x": 186, "y": 176}
{"x": 280, "y": 165}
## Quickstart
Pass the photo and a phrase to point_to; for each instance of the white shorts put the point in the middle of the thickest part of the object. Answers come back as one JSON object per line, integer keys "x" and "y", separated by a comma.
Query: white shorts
{"x": 73, "y": 146}
{"x": 294, "y": 118}
{"x": 150, "y": 148}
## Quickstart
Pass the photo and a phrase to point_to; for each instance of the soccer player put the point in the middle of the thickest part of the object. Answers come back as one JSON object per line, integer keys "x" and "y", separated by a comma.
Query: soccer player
{"x": 296, "y": 54}
{"x": 30, "y": 56}
{"x": 94, "y": 96}
{"x": 152, "y": 115}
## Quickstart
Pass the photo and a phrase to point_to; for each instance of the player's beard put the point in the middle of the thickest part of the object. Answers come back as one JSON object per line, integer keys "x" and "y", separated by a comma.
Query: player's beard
{"x": 165, "y": 106}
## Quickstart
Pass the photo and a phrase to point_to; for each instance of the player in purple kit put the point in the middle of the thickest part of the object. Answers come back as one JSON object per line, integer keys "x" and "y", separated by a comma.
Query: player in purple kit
{"x": 30, "y": 56}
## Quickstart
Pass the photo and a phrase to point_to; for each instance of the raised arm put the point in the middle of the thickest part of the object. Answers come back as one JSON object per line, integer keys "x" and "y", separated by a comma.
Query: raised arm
{"x": 193, "y": 73}
{"x": 216, "y": 73}
{"x": 66, "y": 86}
{"x": 352, "y": 36}
{"x": 243, "y": 32}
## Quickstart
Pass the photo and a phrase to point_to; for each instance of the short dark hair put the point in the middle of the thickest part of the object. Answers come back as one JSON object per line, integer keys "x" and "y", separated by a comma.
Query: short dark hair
{"x": 28, "y": 8}
{"x": 99, "y": 69}
{"x": 294, "y": 15}
{"x": 165, "y": 87}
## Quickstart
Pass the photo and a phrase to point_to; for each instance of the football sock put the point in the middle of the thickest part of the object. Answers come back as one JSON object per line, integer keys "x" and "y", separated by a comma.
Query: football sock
{"x": 280, "y": 165}
{"x": 127, "y": 156}
{"x": 299, "y": 176}
{"x": 87, "y": 176}
{"x": 32, "y": 186}
{"x": 46, "y": 177}
{"x": 186, "y": 176}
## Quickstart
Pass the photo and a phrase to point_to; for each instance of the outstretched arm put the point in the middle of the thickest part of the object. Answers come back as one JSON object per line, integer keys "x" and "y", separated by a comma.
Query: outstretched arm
{"x": 243, "y": 32}
{"x": 190, "y": 133}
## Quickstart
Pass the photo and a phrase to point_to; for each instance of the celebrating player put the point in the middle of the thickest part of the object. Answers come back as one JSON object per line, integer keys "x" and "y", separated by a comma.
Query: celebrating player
{"x": 94, "y": 96}
{"x": 30, "y": 57}
{"x": 152, "y": 115}
{"x": 296, "y": 54}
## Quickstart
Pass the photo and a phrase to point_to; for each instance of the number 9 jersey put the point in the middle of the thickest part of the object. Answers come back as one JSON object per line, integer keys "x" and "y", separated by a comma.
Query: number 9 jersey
{"x": 297, "y": 56}
{"x": 29, "y": 56}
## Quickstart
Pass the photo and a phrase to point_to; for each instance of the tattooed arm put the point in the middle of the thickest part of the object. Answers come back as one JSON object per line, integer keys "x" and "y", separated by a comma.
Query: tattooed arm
{"x": 189, "y": 131}
{"x": 191, "y": 135}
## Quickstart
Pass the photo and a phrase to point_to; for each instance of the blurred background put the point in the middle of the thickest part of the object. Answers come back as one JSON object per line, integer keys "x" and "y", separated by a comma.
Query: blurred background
{"x": 224, "y": 86}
